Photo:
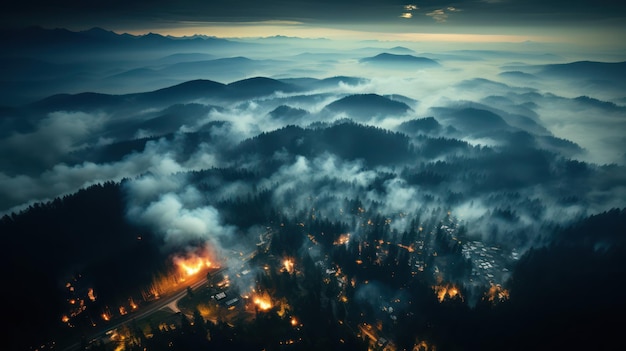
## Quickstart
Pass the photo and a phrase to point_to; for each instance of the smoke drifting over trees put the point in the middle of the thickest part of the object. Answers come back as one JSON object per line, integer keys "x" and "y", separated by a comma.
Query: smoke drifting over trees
{"x": 426, "y": 185}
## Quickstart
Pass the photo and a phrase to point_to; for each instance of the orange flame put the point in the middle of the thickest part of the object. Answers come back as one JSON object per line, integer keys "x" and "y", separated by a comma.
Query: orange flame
{"x": 408, "y": 248}
{"x": 91, "y": 294}
{"x": 263, "y": 301}
{"x": 132, "y": 304}
{"x": 106, "y": 314}
{"x": 447, "y": 291}
{"x": 288, "y": 265}
{"x": 192, "y": 262}
{"x": 497, "y": 293}
{"x": 342, "y": 239}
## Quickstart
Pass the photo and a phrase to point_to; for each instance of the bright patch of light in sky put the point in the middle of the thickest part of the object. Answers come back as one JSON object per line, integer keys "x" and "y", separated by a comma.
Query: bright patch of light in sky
{"x": 295, "y": 29}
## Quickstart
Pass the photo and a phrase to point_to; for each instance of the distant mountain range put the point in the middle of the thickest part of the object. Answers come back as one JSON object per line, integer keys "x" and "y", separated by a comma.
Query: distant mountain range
{"x": 32, "y": 39}
{"x": 180, "y": 93}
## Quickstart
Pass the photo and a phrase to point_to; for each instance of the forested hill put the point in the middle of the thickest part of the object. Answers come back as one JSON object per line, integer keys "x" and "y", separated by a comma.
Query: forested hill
{"x": 83, "y": 235}
{"x": 349, "y": 141}
{"x": 568, "y": 286}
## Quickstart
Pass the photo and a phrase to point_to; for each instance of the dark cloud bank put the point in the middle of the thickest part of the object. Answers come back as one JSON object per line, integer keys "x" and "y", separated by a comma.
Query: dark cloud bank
{"x": 446, "y": 153}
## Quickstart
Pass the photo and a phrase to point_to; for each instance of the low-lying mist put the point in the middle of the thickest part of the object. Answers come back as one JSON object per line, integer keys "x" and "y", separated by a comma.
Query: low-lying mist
{"x": 452, "y": 163}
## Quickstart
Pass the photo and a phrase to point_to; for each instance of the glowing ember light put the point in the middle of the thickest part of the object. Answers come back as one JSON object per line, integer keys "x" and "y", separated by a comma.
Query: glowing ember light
{"x": 294, "y": 321}
{"x": 91, "y": 294}
{"x": 497, "y": 293}
{"x": 263, "y": 304}
{"x": 288, "y": 265}
{"x": 263, "y": 301}
{"x": 192, "y": 262}
{"x": 342, "y": 239}
{"x": 191, "y": 266}
{"x": 106, "y": 316}
{"x": 408, "y": 248}
{"x": 447, "y": 291}
{"x": 65, "y": 319}
{"x": 422, "y": 346}
{"x": 122, "y": 310}
{"x": 132, "y": 304}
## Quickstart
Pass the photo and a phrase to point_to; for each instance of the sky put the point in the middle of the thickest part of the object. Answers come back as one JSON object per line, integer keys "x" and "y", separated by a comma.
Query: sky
{"x": 574, "y": 21}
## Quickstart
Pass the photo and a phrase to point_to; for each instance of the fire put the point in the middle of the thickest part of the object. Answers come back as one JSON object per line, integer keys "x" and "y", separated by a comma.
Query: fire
{"x": 132, "y": 304}
{"x": 497, "y": 293}
{"x": 288, "y": 265}
{"x": 449, "y": 290}
{"x": 263, "y": 301}
{"x": 408, "y": 248}
{"x": 342, "y": 239}
{"x": 190, "y": 263}
{"x": 65, "y": 319}
{"x": 106, "y": 314}
{"x": 294, "y": 321}
{"x": 423, "y": 346}
{"x": 91, "y": 294}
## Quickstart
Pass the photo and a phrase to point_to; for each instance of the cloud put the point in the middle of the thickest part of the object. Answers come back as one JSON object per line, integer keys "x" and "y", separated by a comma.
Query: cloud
{"x": 441, "y": 15}
{"x": 158, "y": 158}
{"x": 53, "y": 136}
{"x": 408, "y": 11}
{"x": 438, "y": 15}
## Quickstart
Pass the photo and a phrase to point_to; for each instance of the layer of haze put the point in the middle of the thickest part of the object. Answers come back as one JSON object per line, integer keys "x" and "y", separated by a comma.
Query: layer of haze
{"x": 489, "y": 126}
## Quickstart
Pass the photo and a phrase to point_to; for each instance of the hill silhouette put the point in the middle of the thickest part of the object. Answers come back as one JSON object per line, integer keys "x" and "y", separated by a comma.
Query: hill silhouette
{"x": 287, "y": 114}
{"x": 258, "y": 86}
{"x": 471, "y": 120}
{"x": 586, "y": 69}
{"x": 182, "y": 93}
{"x": 400, "y": 61}
{"x": 422, "y": 125}
{"x": 326, "y": 83}
{"x": 350, "y": 141}
{"x": 363, "y": 106}
{"x": 36, "y": 39}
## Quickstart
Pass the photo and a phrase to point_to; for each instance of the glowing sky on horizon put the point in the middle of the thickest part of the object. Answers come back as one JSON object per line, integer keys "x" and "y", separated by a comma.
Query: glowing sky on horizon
{"x": 597, "y": 22}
